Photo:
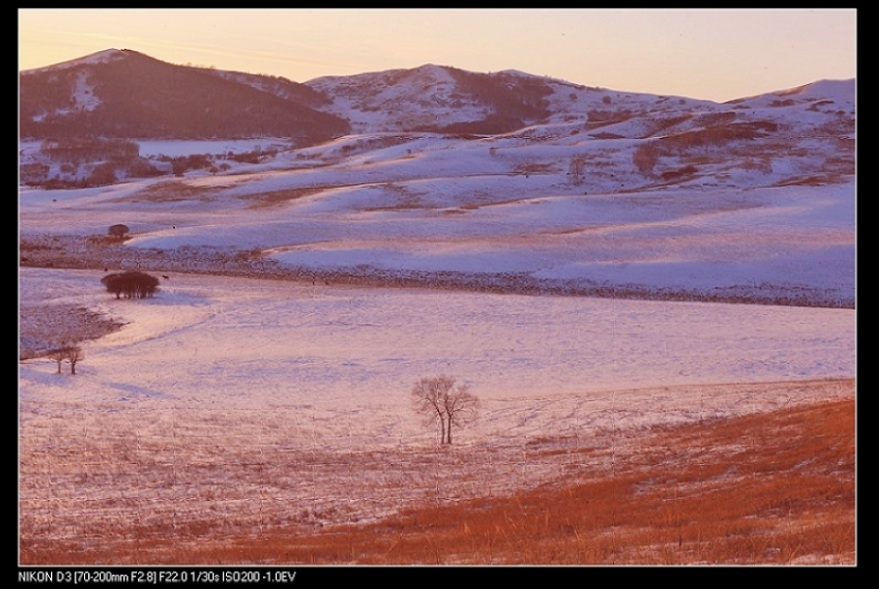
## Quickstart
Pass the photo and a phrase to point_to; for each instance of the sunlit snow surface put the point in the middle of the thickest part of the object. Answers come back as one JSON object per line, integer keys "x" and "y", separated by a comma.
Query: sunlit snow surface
{"x": 354, "y": 353}
{"x": 434, "y": 203}
{"x": 260, "y": 404}
{"x": 788, "y": 237}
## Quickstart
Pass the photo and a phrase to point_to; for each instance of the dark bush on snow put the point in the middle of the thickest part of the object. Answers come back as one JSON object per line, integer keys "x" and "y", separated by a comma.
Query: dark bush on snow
{"x": 131, "y": 284}
{"x": 118, "y": 230}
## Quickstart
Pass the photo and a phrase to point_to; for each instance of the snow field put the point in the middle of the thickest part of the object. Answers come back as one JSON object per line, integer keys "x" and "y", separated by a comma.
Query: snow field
{"x": 227, "y": 405}
{"x": 751, "y": 215}
{"x": 241, "y": 343}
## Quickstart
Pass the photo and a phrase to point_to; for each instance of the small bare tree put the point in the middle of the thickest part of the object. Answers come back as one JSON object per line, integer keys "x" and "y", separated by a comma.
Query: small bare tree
{"x": 72, "y": 354}
{"x": 58, "y": 355}
{"x": 441, "y": 401}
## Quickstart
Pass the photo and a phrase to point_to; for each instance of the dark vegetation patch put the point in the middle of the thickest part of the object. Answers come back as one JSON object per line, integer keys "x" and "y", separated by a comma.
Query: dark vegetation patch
{"x": 46, "y": 327}
{"x": 77, "y": 252}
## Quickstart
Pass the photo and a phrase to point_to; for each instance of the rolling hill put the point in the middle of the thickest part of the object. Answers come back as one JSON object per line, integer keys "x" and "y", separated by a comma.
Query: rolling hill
{"x": 435, "y": 175}
{"x": 123, "y": 93}
{"x": 639, "y": 288}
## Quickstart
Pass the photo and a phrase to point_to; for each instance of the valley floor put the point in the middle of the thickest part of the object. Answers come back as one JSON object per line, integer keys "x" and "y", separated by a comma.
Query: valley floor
{"x": 244, "y": 421}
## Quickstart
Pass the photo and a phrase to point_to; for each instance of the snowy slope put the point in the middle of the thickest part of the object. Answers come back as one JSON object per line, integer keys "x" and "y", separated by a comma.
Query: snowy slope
{"x": 244, "y": 343}
{"x": 607, "y": 190}
{"x": 228, "y": 405}
{"x": 756, "y": 196}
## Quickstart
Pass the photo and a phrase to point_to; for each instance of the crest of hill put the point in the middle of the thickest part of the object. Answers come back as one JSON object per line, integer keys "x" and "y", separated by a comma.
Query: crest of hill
{"x": 126, "y": 94}
{"x": 839, "y": 92}
{"x": 842, "y": 92}
{"x": 104, "y": 56}
{"x": 133, "y": 95}
{"x": 445, "y": 99}
{"x": 437, "y": 98}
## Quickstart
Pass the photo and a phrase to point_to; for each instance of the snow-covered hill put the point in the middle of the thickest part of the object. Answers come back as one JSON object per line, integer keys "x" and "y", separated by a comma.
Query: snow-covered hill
{"x": 231, "y": 404}
{"x": 124, "y": 94}
{"x": 588, "y": 189}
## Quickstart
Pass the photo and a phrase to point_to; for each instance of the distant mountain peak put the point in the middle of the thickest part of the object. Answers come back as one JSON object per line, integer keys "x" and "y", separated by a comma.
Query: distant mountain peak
{"x": 123, "y": 93}
{"x": 105, "y": 56}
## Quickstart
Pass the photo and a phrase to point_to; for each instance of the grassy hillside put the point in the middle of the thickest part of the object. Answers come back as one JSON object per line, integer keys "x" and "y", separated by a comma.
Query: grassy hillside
{"x": 768, "y": 488}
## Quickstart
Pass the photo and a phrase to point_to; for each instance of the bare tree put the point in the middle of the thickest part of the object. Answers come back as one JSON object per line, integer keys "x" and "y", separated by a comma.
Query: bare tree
{"x": 441, "y": 401}
{"x": 58, "y": 355}
{"x": 75, "y": 354}
{"x": 576, "y": 169}
{"x": 460, "y": 406}
{"x": 72, "y": 354}
{"x": 427, "y": 399}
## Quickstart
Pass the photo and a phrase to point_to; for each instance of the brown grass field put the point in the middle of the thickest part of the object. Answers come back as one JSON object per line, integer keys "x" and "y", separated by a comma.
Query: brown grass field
{"x": 769, "y": 488}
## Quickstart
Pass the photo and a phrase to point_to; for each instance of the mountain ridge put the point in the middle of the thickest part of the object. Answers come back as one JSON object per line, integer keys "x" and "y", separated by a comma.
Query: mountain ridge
{"x": 134, "y": 95}
{"x": 575, "y": 189}
{"x": 62, "y": 100}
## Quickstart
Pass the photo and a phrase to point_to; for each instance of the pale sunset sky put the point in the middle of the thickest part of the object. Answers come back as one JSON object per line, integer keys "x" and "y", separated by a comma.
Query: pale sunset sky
{"x": 713, "y": 54}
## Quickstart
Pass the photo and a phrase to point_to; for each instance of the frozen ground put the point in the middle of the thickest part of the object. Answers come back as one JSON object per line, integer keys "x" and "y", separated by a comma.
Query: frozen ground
{"x": 238, "y": 404}
{"x": 757, "y": 219}
{"x": 226, "y": 405}
{"x": 328, "y": 346}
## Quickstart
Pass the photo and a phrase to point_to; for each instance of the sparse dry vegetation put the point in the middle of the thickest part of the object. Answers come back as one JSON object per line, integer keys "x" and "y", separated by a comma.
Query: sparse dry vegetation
{"x": 172, "y": 191}
{"x": 119, "y": 470}
{"x": 45, "y": 327}
{"x": 764, "y": 488}
{"x": 97, "y": 252}
{"x": 281, "y": 197}
{"x": 645, "y": 157}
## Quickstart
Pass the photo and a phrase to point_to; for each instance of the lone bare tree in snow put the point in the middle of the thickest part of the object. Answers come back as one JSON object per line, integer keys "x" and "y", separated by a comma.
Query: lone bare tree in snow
{"x": 71, "y": 353}
{"x": 74, "y": 355}
{"x": 576, "y": 169}
{"x": 441, "y": 401}
{"x": 58, "y": 355}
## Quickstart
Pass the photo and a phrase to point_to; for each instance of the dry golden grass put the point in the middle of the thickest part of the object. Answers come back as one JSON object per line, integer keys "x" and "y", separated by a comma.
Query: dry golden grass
{"x": 526, "y": 169}
{"x": 171, "y": 191}
{"x": 280, "y": 197}
{"x": 718, "y": 135}
{"x": 766, "y": 488}
{"x": 771, "y": 488}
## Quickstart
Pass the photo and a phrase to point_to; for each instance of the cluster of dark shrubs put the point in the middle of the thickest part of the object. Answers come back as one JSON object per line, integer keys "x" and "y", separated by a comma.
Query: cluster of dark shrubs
{"x": 86, "y": 162}
{"x": 131, "y": 284}
{"x": 511, "y": 96}
{"x": 514, "y": 101}
{"x": 195, "y": 161}
{"x": 118, "y": 230}
{"x": 251, "y": 157}
{"x": 203, "y": 161}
